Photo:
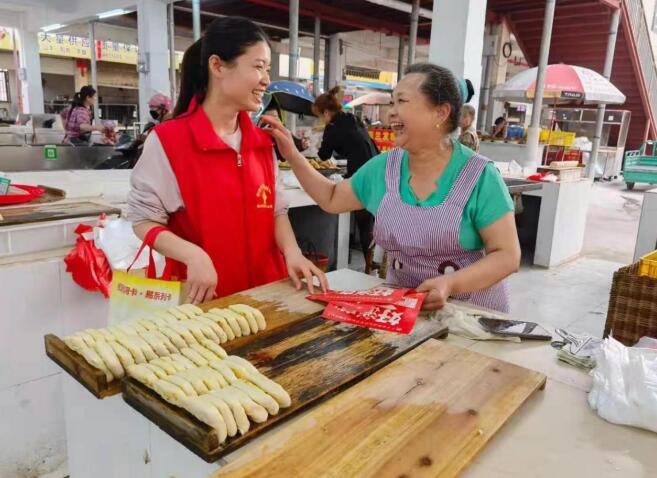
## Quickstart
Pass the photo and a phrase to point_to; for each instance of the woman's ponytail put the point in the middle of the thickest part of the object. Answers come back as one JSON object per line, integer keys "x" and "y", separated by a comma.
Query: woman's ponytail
{"x": 191, "y": 82}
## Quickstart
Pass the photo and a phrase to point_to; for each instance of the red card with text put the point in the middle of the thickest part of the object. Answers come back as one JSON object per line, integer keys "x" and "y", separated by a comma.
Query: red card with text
{"x": 399, "y": 317}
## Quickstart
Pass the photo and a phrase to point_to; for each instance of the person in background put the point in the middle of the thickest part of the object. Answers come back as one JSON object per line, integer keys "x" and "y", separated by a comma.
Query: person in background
{"x": 78, "y": 117}
{"x": 498, "y": 128}
{"x": 347, "y": 136}
{"x": 443, "y": 213}
{"x": 159, "y": 107}
{"x": 207, "y": 180}
{"x": 468, "y": 136}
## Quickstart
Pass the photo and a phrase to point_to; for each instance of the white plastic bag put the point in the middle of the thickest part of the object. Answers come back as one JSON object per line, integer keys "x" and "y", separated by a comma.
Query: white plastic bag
{"x": 625, "y": 385}
{"x": 118, "y": 241}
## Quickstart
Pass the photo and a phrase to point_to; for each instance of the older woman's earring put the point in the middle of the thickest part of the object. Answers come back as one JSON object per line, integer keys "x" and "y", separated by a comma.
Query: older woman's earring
{"x": 438, "y": 125}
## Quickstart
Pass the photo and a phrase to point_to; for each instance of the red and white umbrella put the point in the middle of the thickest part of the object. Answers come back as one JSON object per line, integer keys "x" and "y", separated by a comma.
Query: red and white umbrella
{"x": 563, "y": 84}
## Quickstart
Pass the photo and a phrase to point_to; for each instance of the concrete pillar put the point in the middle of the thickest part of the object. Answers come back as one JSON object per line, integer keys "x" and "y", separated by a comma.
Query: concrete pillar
{"x": 534, "y": 127}
{"x": 153, "y": 62}
{"x": 457, "y": 38}
{"x": 196, "y": 19}
{"x": 30, "y": 74}
{"x": 412, "y": 36}
{"x": 93, "y": 69}
{"x": 606, "y": 72}
{"x": 316, "y": 55}
{"x": 293, "y": 69}
{"x": 400, "y": 58}
{"x": 335, "y": 61}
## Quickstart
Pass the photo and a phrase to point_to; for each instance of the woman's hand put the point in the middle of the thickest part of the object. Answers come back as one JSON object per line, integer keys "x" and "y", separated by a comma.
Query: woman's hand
{"x": 299, "y": 267}
{"x": 438, "y": 291}
{"x": 201, "y": 277}
{"x": 282, "y": 136}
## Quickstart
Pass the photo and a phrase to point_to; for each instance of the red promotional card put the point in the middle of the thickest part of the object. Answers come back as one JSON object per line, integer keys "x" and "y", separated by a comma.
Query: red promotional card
{"x": 399, "y": 317}
{"x": 383, "y": 294}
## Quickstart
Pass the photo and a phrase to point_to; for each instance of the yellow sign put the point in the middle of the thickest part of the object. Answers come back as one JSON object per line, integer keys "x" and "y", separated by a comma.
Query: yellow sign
{"x": 70, "y": 46}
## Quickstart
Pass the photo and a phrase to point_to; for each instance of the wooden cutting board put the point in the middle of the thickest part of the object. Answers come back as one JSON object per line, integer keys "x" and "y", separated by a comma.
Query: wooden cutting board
{"x": 282, "y": 305}
{"x": 53, "y": 212}
{"x": 426, "y": 414}
{"x": 312, "y": 360}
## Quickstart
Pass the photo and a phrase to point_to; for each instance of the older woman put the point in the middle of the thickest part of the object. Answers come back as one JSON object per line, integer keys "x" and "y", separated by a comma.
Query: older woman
{"x": 443, "y": 213}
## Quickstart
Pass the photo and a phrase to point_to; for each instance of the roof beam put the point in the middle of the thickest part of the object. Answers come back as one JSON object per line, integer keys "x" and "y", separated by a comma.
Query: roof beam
{"x": 402, "y": 7}
{"x": 338, "y": 16}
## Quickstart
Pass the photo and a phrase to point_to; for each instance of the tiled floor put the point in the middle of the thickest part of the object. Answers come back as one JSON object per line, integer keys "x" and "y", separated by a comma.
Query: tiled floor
{"x": 575, "y": 295}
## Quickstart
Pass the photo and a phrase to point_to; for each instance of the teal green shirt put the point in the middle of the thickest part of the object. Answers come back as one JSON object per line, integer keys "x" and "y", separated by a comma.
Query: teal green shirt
{"x": 490, "y": 199}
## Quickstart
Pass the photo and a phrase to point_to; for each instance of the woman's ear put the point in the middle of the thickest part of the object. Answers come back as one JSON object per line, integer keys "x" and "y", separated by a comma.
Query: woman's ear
{"x": 216, "y": 65}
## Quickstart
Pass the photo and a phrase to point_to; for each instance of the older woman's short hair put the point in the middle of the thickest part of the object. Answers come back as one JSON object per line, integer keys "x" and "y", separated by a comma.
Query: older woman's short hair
{"x": 468, "y": 110}
{"x": 440, "y": 87}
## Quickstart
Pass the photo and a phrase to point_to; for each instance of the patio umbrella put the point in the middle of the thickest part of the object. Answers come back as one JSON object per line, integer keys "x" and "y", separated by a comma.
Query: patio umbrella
{"x": 289, "y": 96}
{"x": 371, "y": 99}
{"x": 563, "y": 84}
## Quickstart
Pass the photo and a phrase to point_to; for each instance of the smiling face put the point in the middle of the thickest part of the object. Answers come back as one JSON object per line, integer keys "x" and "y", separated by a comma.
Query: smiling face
{"x": 243, "y": 82}
{"x": 417, "y": 123}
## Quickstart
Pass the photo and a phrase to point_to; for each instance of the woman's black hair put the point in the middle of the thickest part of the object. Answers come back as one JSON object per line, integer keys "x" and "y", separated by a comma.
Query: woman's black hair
{"x": 228, "y": 38}
{"x": 499, "y": 120}
{"x": 84, "y": 93}
{"x": 440, "y": 87}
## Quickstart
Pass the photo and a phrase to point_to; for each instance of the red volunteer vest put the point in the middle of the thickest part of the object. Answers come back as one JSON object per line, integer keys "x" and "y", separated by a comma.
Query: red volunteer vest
{"x": 228, "y": 200}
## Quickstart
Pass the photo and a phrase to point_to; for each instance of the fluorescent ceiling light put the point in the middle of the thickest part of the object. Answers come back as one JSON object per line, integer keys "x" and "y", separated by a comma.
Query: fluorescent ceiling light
{"x": 54, "y": 26}
{"x": 112, "y": 13}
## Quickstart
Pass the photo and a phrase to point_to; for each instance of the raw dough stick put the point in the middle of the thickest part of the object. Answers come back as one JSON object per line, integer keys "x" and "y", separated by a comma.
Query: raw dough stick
{"x": 109, "y": 357}
{"x": 177, "y": 314}
{"x": 165, "y": 340}
{"x": 191, "y": 308}
{"x": 175, "y": 364}
{"x": 218, "y": 350}
{"x": 182, "y": 360}
{"x": 183, "y": 384}
{"x": 205, "y": 353}
{"x": 133, "y": 348}
{"x": 116, "y": 332}
{"x": 260, "y": 318}
{"x": 160, "y": 372}
{"x": 92, "y": 357}
{"x": 123, "y": 354}
{"x": 148, "y": 351}
{"x": 232, "y": 322}
{"x": 88, "y": 339}
{"x": 238, "y": 370}
{"x": 155, "y": 343}
{"x": 194, "y": 356}
{"x": 224, "y": 409}
{"x": 243, "y": 363}
{"x": 138, "y": 327}
{"x": 207, "y": 330}
{"x": 147, "y": 324}
{"x": 143, "y": 374}
{"x": 243, "y": 323}
{"x": 164, "y": 365}
{"x": 126, "y": 328}
{"x": 210, "y": 381}
{"x": 194, "y": 328}
{"x": 174, "y": 336}
{"x": 255, "y": 412}
{"x": 236, "y": 407}
{"x": 96, "y": 335}
{"x": 184, "y": 333}
{"x": 109, "y": 336}
{"x": 271, "y": 388}
{"x": 248, "y": 315}
{"x": 207, "y": 413}
{"x": 214, "y": 375}
{"x": 170, "y": 392}
{"x": 75, "y": 343}
{"x": 221, "y": 322}
{"x": 196, "y": 381}
{"x": 215, "y": 327}
{"x": 258, "y": 396}
{"x": 224, "y": 370}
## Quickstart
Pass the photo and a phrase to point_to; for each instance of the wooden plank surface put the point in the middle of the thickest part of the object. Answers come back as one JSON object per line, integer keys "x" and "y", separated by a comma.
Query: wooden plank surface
{"x": 426, "y": 414}
{"x": 312, "y": 360}
{"x": 53, "y": 212}
{"x": 72, "y": 362}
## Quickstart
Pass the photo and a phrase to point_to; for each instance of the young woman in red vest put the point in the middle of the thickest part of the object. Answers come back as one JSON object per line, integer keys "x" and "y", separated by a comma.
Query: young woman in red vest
{"x": 209, "y": 175}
